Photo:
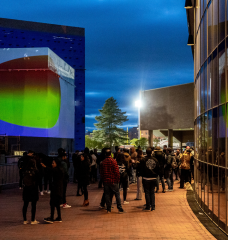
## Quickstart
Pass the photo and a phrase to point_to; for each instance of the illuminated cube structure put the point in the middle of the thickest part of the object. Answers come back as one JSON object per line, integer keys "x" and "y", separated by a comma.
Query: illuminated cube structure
{"x": 42, "y": 85}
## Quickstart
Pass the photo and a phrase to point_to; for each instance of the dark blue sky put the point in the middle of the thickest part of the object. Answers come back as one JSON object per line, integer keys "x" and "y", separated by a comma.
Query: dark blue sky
{"x": 131, "y": 45}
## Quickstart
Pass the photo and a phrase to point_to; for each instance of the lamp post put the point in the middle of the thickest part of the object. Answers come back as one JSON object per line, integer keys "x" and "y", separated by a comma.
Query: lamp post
{"x": 138, "y": 104}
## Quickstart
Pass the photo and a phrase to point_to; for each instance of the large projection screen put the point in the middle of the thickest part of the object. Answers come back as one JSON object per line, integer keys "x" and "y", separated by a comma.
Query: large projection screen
{"x": 36, "y": 94}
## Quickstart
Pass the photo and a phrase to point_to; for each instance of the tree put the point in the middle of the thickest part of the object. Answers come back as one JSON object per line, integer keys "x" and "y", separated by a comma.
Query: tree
{"x": 91, "y": 143}
{"x": 107, "y": 127}
{"x": 133, "y": 141}
{"x": 142, "y": 142}
{"x": 156, "y": 141}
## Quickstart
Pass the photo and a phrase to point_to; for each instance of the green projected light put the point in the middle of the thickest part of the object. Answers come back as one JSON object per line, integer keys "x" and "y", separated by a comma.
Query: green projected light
{"x": 29, "y": 96}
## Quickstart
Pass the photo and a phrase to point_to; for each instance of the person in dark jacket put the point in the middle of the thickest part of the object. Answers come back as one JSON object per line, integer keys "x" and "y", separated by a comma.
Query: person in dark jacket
{"x": 149, "y": 170}
{"x": 64, "y": 165}
{"x": 20, "y": 165}
{"x": 30, "y": 189}
{"x": 84, "y": 176}
{"x": 160, "y": 156}
{"x": 56, "y": 191}
{"x": 169, "y": 170}
{"x": 123, "y": 169}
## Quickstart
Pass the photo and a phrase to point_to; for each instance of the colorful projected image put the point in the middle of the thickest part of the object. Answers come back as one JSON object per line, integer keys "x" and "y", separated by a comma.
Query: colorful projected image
{"x": 34, "y": 92}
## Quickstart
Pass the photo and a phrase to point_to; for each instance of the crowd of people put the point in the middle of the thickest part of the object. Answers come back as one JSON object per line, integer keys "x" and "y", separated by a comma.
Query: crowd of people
{"x": 113, "y": 171}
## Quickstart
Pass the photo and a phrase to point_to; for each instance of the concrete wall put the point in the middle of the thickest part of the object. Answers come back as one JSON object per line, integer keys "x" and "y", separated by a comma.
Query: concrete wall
{"x": 168, "y": 108}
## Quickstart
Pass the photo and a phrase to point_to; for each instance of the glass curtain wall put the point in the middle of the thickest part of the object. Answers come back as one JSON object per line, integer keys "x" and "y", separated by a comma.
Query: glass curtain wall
{"x": 211, "y": 109}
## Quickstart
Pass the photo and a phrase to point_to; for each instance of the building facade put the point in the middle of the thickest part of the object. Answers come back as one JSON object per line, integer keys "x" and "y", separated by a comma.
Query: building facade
{"x": 68, "y": 43}
{"x": 208, "y": 27}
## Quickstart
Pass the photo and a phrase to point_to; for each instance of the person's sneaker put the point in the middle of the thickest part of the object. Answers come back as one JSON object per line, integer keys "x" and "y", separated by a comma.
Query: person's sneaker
{"x": 146, "y": 209}
{"x": 61, "y": 205}
{"x": 25, "y": 222}
{"x": 59, "y": 220}
{"x": 167, "y": 190}
{"x": 66, "y": 205}
{"x": 125, "y": 202}
{"x": 108, "y": 211}
{"x": 153, "y": 208}
{"x": 48, "y": 220}
{"x": 48, "y": 192}
{"x": 120, "y": 210}
{"x": 45, "y": 191}
{"x": 101, "y": 207}
{"x": 35, "y": 222}
{"x": 163, "y": 190}
{"x": 171, "y": 190}
{"x": 41, "y": 193}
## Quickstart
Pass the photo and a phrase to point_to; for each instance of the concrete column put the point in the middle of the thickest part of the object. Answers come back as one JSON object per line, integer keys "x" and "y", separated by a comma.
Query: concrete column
{"x": 151, "y": 138}
{"x": 170, "y": 138}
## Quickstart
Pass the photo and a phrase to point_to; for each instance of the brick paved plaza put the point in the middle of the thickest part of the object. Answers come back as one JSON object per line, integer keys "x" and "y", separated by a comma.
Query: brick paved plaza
{"x": 172, "y": 219}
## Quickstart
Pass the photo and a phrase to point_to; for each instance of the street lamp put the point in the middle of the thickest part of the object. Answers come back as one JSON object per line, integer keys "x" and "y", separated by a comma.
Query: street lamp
{"x": 138, "y": 104}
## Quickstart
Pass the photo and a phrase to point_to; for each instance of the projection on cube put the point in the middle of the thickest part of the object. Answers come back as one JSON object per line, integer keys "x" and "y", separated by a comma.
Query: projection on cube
{"x": 36, "y": 93}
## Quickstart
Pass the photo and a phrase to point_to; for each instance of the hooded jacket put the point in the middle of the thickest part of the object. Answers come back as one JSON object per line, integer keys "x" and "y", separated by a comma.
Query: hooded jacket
{"x": 149, "y": 167}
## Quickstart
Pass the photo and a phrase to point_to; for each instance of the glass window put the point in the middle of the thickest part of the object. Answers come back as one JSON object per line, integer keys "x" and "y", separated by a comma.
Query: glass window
{"x": 202, "y": 104}
{"x": 210, "y": 198}
{"x": 209, "y": 82}
{"x": 214, "y": 136}
{"x": 222, "y": 135}
{"x": 214, "y": 82}
{"x": 209, "y": 137}
{"x": 222, "y": 198}
{"x": 210, "y": 32}
{"x": 215, "y": 23}
{"x": 215, "y": 189}
{"x": 201, "y": 8}
{"x": 222, "y": 91}
{"x": 205, "y": 86}
{"x": 205, "y": 35}
{"x": 203, "y": 140}
{"x": 221, "y": 20}
{"x": 201, "y": 43}
{"x": 200, "y": 137}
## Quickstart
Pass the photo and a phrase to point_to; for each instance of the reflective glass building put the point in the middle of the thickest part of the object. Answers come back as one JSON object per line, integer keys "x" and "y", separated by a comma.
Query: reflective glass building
{"x": 208, "y": 27}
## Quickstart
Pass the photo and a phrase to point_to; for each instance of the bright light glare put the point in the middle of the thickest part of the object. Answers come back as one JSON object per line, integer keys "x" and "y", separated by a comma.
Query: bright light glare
{"x": 138, "y": 103}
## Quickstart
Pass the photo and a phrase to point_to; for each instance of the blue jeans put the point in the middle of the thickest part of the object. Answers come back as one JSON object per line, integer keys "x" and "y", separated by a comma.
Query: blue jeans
{"x": 161, "y": 177}
{"x": 108, "y": 190}
{"x": 149, "y": 186}
{"x": 169, "y": 180}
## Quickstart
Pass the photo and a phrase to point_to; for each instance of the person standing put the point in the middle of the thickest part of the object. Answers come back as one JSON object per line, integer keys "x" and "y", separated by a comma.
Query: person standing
{"x": 74, "y": 160}
{"x": 111, "y": 177}
{"x": 138, "y": 174}
{"x": 30, "y": 190}
{"x": 160, "y": 156}
{"x": 133, "y": 158}
{"x": 169, "y": 170}
{"x": 123, "y": 169}
{"x": 84, "y": 176}
{"x": 185, "y": 167}
{"x": 64, "y": 166}
{"x": 56, "y": 190}
{"x": 149, "y": 169}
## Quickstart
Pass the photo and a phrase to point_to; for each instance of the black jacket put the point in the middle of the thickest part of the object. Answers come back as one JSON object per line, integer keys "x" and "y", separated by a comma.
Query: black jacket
{"x": 84, "y": 170}
{"x": 160, "y": 156}
{"x": 149, "y": 167}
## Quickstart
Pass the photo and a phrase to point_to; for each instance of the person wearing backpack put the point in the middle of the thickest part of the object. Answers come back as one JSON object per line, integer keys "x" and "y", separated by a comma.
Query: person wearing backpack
{"x": 160, "y": 156}
{"x": 170, "y": 162}
{"x": 30, "y": 190}
{"x": 123, "y": 169}
{"x": 149, "y": 168}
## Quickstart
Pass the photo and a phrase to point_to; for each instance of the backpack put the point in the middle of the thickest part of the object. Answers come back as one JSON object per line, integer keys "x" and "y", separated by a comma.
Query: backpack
{"x": 174, "y": 163}
{"x": 29, "y": 179}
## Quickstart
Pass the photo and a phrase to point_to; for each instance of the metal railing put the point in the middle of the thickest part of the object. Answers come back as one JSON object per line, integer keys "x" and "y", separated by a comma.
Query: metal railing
{"x": 9, "y": 174}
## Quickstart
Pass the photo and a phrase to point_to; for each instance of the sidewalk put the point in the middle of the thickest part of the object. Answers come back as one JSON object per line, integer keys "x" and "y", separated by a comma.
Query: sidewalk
{"x": 172, "y": 219}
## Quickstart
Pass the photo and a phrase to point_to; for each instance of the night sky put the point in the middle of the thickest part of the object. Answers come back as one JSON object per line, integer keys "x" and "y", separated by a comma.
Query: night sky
{"x": 131, "y": 45}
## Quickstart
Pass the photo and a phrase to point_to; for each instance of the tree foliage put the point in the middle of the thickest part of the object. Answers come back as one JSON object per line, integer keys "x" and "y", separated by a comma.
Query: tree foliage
{"x": 111, "y": 118}
{"x": 142, "y": 142}
{"x": 91, "y": 143}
